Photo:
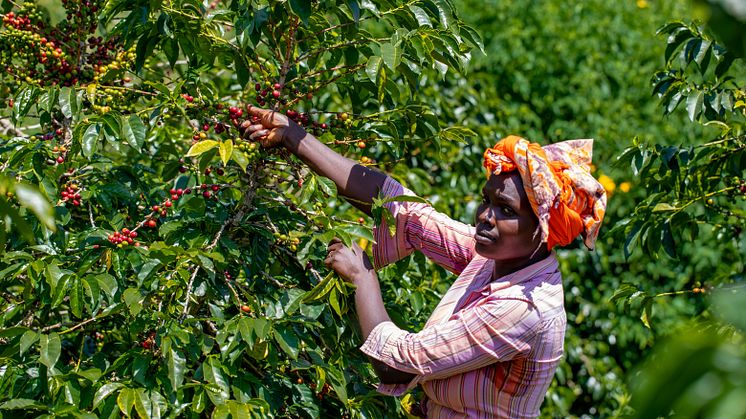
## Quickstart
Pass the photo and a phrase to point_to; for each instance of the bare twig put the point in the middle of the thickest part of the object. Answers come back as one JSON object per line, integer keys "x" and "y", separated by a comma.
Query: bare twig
{"x": 90, "y": 215}
{"x": 271, "y": 279}
{"x": 189, "y": 293}
{"x": 75, "y": 327}
{"x": 7, "y": 128}
{"x": 245, "y": 204}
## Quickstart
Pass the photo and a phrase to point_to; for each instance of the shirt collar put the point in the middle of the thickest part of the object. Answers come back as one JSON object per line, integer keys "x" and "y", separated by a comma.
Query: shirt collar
{"x": 549, "y": 263}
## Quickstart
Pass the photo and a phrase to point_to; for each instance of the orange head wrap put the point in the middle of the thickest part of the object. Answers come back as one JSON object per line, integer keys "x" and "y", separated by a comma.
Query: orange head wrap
{"x": 564, "y": 196}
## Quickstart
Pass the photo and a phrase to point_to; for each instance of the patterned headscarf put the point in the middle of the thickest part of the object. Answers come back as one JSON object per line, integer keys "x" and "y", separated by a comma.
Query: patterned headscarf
{"x": 564, "y": 196}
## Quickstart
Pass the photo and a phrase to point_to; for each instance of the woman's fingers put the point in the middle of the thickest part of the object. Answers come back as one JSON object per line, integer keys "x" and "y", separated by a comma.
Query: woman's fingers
{"x": 334, "y": 245}
{"x": 258, "y": 134}
{"x": 329, "y": 261}
{"x": 255, "y": 111}
{"x": 334, "y": 241}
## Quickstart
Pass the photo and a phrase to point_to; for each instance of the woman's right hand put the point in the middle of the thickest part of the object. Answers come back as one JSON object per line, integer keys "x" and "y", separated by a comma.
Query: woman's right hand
{"x": 271, "y": 129}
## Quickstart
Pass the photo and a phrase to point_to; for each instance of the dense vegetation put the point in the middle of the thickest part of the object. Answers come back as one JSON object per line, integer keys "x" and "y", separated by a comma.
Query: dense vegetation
{"x": 155, "y": 265}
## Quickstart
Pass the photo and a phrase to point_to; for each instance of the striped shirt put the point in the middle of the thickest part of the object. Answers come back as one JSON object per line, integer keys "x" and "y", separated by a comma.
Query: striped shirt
{"x": 490, "y": 347}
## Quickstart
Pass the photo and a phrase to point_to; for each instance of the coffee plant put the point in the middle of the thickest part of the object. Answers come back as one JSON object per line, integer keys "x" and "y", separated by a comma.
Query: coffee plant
{"x": 695, "y": 192}
{"x": 177, "y": 271}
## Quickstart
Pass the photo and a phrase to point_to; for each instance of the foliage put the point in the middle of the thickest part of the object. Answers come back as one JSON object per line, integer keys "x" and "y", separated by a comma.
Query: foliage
{"x": 224, "y": 308}
{"x": 698, "y": 373}
{"x": 696, "y": 187}
{"x": 697, "y": 201}
{"x": 182, "y": 278}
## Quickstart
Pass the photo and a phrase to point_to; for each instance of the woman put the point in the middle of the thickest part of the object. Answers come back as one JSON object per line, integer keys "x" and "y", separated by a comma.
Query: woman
{"x": 491, "y": 346}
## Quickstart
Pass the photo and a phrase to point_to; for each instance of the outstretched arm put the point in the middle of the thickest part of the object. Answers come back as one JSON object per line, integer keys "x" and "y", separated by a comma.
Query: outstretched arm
{"x": 353, "y": 265}
{"x": 358, "y": 183}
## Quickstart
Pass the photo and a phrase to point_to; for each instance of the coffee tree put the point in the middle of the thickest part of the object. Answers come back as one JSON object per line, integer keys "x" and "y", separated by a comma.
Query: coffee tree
{"x": 696, "y": 192}
{"x": 180, "y": 271}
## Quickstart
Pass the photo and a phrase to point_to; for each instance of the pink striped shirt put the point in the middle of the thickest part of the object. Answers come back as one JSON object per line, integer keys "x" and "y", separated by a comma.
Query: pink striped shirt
{"x": 490, "y": 347}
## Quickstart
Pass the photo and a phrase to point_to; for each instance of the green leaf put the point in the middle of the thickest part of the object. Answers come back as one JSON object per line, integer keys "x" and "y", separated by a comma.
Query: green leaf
{"x": 28, "y": 339}
{"x": 287, "y": 340}
{"x": 104, "y": 391}
{"x": 133, "y": 298}
{"x": 422, "y": 18}
{"x": 667, "y": 240}
{"x": 147, "y": 268}
{"x": 457, "y": 134}
{"x": 24, "y": 101}
{"x": 176, "y": 366}
{"x": 472, "y": 37}
{"x": 143, "y": 406}
{"x": 445, "y": 12}
{"x": 624, "y": 291}
{"x": 108, "y": 284}
{"x": 126, "y": 400}
{"x": 391, "y": 55}
{"x": 336, "y": 303}
{"x": 202, "y": 147}
{"x": 69, "y": 102}
{"x": 647, "y": 311}
{"x": 301, "y": 8}
{"x": 218, "y": 392}
{"x": 18, "y": 404}
{"x": 373, "y": 68}
{"x": 355, "y": 9}
{"x": 133, "y": 131}
{"x": 321, "y": 289}
{"x": 406, "y": 198}
{"x": 240, "y": 158}
{"x": 31, "y": 198}
{"x": 327, "y": 186}
{"x": 90, "y": 139}
{"x": 51, "y": 347}
{"x": 694, "y": 105}
{"x": 338, "y": 382}
{"x": 246, "y": 329}
{"x": 239, "y": 410}
{"x": 663, "y": 206}
{"x": 359, "y": 231}
{"x": 262, "y": 328}
{"x": 75, "y": 290}
{"x": 226, "y": 150}
{"x": 243, "y": 73}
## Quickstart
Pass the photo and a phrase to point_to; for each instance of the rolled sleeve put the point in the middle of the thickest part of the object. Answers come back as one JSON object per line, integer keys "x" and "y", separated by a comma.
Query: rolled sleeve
{"x": 496, "y": 330}
{"x": 447, "y": 242}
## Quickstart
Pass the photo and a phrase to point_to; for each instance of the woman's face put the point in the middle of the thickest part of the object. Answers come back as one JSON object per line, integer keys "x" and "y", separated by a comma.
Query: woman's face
{"x": 506, "y": 226}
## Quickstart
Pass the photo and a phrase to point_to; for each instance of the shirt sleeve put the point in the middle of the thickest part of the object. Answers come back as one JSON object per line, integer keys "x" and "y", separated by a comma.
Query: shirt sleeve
{"x": 445, "y": 241}
{"x": 496, "y": 330}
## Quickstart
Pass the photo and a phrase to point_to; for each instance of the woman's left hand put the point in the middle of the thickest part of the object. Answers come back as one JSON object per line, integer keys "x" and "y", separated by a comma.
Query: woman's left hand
{"x": 351, "y": 264}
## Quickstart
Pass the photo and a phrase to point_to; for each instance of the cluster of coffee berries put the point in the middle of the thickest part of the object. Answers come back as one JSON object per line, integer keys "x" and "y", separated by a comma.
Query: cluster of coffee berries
{"x": 324, "y": 390}
{"x": 121, "y": 60}
{"x": 209, "y": 190}
{"x": 71, "y": 193}
{"x": 262, "y": 95}
{"x": 250, "y": 149}
{"x": 41, "y": 54}
{"x": 283, "y": 239}
{"x": 149, "y": 341}
{"x": 124, "y": 238}
{"x": 304, "y": 119}
{"x": 176, "y": 194}
{"x": 235, "y": 112}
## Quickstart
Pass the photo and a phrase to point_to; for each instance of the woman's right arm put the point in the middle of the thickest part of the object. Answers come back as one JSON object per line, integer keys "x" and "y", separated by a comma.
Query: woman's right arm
{"x": 358, "y": 183}
{"x": 419, "y": 227}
